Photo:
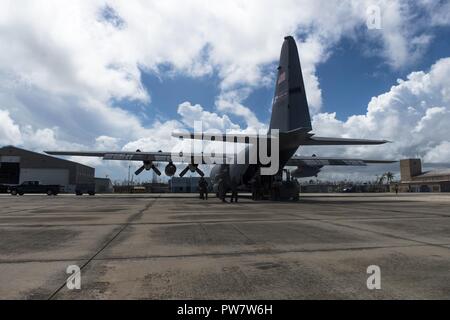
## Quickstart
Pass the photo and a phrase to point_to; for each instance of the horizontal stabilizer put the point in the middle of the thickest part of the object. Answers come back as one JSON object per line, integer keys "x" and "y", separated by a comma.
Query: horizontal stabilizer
{"x": 320, "y": 161}
{"x": 288, "y": 139}
{"x": 325, "y": 141}
{"x": 296, "y": 135}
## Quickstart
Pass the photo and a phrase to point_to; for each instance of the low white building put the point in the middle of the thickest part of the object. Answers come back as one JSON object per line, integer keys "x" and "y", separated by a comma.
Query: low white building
{"x": 103, "y": 185}
{"x": 186, "y": 184}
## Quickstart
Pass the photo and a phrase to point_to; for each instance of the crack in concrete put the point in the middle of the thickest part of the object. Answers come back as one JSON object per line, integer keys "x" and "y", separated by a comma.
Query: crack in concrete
{"x": 115, "y": 235}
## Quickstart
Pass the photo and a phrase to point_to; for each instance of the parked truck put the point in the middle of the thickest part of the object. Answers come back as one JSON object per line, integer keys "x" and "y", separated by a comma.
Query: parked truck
{"x": 34, "y": 187}
{"x": 4, "y": 188}
{"x": 88, "y": 188}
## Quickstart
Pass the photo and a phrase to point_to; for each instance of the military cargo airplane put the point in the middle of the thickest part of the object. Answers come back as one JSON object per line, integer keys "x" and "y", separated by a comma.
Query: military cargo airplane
{"x": 290, "y": 120}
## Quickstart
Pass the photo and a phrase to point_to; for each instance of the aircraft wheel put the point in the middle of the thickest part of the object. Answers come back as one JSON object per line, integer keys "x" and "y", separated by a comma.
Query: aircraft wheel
{"x": 14, "y": 193}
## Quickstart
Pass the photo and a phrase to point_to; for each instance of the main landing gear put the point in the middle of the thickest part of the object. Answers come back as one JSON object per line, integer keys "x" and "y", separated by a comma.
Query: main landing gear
{"x": 276, "y": 189}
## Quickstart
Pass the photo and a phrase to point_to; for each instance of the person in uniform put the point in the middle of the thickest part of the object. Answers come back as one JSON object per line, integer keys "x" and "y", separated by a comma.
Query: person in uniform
{"x": 234, "y": 191}
{"x": 200, "y": 189}
{"x": 221, "y": 190}
{"x": 203, "y": 187}
{"x": 254, "y": 184}
{"x": 276, "y": 189}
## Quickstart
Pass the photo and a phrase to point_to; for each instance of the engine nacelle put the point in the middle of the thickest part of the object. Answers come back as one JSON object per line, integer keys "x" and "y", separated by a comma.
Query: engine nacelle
{"x": 306, "y": 171}
{"x": 148, "y": 165}
{"x": 170, "y": 169}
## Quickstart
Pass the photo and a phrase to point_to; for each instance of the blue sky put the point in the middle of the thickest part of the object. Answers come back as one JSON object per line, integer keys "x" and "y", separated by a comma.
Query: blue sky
{"x": 351, "y": 76}
{"x": 169, "y": 91}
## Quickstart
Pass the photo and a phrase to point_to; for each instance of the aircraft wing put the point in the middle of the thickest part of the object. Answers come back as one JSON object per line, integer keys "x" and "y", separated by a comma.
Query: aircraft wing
{"x": 319, "y": 161}
{"x": 229, "y": 137}
{"x": 148, "y": 159}
{"x": 140, "y": 156}
{"x": 117, "y": 155}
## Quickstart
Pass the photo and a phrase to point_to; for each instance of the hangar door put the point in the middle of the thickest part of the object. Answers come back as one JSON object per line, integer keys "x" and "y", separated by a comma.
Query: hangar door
{"x": 45, "y": 176}
{"x": 9, "y": 172}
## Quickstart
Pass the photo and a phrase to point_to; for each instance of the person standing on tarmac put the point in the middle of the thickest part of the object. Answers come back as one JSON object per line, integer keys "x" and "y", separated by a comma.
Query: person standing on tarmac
{"x": 206, "y": 189}
{"x": 221, "y": 190}
{"x": 254, "y": 185}
{"x": 200, "y": 189}
{"x": 203, "y": 188}
{"x": 234, "y": 191}
{"x": 276, "y": 189}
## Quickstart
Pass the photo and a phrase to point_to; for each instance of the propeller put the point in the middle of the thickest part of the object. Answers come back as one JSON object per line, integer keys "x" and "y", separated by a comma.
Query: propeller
{"x": 200, "y": 172}
{"x": 192, "y": 168}
{"x": 183, "y": 172}
{"x": 147, "y": 166}
{"x": 138, "y": 171}
{"x": 156, "y": 170}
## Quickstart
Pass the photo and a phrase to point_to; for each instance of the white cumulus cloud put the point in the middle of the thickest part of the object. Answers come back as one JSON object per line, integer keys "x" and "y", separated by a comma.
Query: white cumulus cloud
{"x": 414, "y": 115}
{"x": 9, "y": 130}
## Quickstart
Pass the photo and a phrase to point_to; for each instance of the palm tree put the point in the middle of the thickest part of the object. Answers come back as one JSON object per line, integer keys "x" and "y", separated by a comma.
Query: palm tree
{"x": 381, "y": 180}
{"x": 389, "y": 177}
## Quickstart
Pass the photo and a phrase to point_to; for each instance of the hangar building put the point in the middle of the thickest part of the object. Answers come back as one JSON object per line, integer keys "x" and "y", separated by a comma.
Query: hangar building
{"x": 413, "y": 179}
{"x": 18, "y": 165}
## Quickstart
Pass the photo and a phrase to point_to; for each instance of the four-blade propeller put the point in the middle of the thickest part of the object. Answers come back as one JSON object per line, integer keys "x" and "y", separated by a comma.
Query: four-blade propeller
{"x": 170, "y": 169}
{"x": 148, "y": 165}
{"x": 192, "y": 168}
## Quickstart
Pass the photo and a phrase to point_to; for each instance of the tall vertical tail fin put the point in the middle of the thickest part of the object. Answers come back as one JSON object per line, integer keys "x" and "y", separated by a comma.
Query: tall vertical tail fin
{"x": 290, "y": 109}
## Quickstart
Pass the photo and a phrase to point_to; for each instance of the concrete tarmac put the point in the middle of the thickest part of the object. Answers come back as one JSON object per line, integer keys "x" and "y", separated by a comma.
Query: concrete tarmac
{"x": 180, "y": 247}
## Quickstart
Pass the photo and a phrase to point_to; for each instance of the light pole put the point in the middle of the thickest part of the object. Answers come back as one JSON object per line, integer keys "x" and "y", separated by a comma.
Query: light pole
{"x": 129, "y": 168}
